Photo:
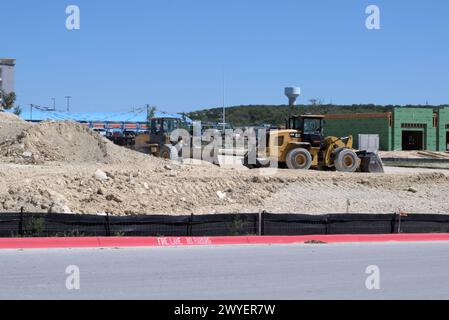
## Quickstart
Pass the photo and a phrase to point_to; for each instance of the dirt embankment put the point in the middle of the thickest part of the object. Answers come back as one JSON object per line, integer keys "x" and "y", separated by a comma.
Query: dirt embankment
{"x": 66, "y": 142}
{"x": 64, "y": 167}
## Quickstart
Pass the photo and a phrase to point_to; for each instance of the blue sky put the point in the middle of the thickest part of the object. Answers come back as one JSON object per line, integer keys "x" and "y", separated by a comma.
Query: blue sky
{"x": 173, "y": 53}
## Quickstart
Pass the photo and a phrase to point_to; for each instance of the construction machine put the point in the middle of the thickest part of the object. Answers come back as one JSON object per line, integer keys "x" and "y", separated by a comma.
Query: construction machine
{"x": 158, "y": 143}
{"x": 302, "y": 145}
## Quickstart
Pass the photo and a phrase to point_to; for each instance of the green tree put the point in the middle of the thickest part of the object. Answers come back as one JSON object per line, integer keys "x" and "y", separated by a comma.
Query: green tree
{"x": 17, "y": 110}
{"x": 255, "y": 115}
{"x": 8, "y": 100}
{"x": 316, "y": 102}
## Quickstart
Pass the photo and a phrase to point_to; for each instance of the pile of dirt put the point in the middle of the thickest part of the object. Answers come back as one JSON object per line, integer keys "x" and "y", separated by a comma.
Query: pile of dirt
{"x": 68, "y": 142}
{"x": 11, "y": 126}
{"x": 9, "y": 117}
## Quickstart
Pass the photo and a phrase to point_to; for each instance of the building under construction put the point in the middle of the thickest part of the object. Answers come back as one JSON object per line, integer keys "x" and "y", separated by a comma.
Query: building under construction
{"x": 403, "y": 128}
{"x": 7, "y": 75}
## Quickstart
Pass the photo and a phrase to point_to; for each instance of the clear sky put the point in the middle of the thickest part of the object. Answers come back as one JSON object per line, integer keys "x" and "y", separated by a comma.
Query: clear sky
{"x": 173, "y": 53}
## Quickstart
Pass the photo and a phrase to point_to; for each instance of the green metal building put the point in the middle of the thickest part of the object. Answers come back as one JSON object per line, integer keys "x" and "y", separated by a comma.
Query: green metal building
{"x": 401, "y": 129}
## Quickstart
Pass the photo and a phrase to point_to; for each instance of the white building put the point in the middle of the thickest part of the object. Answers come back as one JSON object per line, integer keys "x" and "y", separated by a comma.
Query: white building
{"x": 7, "y": 75}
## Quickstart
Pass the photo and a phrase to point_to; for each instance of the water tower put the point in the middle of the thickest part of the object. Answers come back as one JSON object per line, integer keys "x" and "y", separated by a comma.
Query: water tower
{"x": 292, "y": 94}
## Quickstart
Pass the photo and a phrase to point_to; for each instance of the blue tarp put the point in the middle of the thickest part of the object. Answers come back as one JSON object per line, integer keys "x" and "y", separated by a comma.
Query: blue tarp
{"x": 132, "y": 116}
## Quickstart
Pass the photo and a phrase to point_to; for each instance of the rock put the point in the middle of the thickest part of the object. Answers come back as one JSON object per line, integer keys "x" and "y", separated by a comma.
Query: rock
{"x": 27, "y": 154}
{"x": 173, "y": 174}
{"x": 101, "y": 175}
{"x": 9, "y": 204}
{"x": 167, "y": 167}
{"x": 110, "y": 175}
{"x": 58, "y": 207}
{"x": 100, "y": 191}
{"x": 412, "y": 190}
{"x": 221, "y": 195}
{"x": 256, "y": 179}
{"x": 113, "y": 197}
{"x": 146, "y": 186}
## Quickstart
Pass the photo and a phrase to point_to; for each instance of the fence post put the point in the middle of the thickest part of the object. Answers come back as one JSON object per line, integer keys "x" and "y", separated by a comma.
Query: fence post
{"x": 108, "y": 225}
{"x": 327, "y": 224}
{"x": 393, "y": 223}
{"x": 21, "y": 222}
{"x": 261, "y": 231}
{"x": 190, "y": 225}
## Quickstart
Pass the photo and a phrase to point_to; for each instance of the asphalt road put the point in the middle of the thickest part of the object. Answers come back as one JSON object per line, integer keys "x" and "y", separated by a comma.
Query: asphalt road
{"x": 407, "y": 271}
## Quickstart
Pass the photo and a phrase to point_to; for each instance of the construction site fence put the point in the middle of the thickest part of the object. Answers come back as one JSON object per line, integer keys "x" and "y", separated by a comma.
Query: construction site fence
{"x": 263, "y": 224}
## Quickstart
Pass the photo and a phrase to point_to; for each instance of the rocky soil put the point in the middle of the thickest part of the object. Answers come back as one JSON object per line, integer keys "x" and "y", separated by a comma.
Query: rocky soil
{"x": 65, "y": 168}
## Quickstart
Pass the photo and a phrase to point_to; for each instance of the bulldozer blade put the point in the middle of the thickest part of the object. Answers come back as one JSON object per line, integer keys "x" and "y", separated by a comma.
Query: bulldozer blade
{"x": 371, "y": 163}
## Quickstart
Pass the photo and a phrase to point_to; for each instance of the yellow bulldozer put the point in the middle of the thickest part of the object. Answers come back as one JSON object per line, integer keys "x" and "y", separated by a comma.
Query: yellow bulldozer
{"x": 302, "y": 146}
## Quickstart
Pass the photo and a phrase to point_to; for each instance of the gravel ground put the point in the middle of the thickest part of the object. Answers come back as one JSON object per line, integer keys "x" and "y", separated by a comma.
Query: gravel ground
{"x": 64, "y": 168}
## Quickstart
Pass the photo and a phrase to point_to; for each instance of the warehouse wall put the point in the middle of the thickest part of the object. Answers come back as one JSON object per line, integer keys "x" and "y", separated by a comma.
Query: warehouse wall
{"x": 379, "y": 124}
{"x": 443, "y": 128}
{"x": 414, "y": 119}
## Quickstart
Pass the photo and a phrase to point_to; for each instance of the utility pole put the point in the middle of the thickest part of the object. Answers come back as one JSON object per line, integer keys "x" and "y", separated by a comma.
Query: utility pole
{"x": 224, "y": 103}
{"x": 68, "y": 102}
{"x": 1, "y": 94}
{"x": 54, "y": 103}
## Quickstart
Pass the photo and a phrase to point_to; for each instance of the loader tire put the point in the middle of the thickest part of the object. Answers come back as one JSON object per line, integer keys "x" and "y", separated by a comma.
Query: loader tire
{"x": 169, "y": 152}
{"x": 346, "y": 160}
{"x": 299, "y": 159}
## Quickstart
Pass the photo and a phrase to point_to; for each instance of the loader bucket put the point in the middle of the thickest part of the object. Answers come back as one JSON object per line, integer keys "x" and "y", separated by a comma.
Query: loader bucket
{"x": 371, "y": 163}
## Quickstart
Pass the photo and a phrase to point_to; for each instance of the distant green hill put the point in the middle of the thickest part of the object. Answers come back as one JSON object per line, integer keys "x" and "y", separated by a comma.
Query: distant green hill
{"x": 254, "y": 115}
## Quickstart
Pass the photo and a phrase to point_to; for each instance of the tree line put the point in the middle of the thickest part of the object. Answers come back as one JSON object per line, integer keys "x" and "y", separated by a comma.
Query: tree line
{"x": 256, "y": 115}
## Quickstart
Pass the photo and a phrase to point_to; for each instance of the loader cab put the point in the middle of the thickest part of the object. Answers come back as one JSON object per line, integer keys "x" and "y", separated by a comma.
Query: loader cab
{"x": 311, "y": 128}
{"x": 307, "y": 124}
{"x": 161, "y": 128}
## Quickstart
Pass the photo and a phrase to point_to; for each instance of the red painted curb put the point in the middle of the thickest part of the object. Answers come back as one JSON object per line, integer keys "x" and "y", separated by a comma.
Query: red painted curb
{"x": 102, "y": 242}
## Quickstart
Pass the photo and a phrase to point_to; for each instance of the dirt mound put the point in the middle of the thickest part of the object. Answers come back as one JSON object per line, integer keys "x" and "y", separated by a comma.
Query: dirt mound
{"x": 68, "y": 142}
{"x": 9, "y": 117}
{"x": 11, "y": 126}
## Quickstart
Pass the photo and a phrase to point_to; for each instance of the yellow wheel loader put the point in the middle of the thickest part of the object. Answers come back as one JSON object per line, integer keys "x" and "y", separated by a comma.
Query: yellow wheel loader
{"x": 157, "y": 141}
{"x": 303, "y": 146}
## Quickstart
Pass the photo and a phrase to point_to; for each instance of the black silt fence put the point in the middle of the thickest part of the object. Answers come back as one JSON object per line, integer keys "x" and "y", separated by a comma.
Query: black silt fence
{"x": 425, "y": 223}
{"x": 64, "y": 225}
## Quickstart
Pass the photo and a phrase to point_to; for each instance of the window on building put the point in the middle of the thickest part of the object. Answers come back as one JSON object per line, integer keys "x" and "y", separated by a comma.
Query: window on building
{"x": 414, "y": 125}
